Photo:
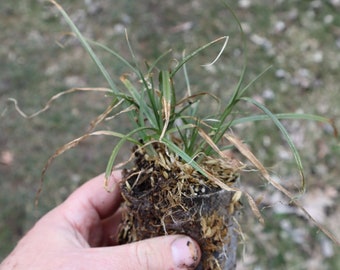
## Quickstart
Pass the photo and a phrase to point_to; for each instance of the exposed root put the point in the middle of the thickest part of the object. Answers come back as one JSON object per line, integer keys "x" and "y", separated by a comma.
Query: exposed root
{"x": 164, "y": 195}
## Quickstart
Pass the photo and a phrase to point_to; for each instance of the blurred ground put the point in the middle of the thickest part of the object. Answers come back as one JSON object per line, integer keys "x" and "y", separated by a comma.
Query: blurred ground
{"x": 299, "y": 39}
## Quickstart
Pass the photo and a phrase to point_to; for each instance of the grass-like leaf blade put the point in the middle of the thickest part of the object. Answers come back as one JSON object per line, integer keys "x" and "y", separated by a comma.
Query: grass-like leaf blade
{"x": 285, "y": 134}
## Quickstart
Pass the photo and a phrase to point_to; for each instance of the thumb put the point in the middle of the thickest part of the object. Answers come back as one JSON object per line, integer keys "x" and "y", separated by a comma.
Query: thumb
{"x": 175, "y": 252}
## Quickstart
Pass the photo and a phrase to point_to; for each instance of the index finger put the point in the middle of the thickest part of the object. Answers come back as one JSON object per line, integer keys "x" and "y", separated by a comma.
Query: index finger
{"x": 93, "y": 196}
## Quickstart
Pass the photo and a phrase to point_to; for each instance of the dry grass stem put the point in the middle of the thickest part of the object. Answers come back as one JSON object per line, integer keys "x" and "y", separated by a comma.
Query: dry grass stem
{"x": 250, "y": 156}
{"x": 53, "y": 98}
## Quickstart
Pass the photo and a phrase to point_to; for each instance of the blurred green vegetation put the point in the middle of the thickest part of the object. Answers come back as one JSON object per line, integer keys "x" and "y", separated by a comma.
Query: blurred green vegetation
{"x": 299, "y": 39}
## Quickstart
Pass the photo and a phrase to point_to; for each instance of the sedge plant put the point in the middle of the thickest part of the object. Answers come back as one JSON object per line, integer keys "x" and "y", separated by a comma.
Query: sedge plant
{"x": 168, "y": 127}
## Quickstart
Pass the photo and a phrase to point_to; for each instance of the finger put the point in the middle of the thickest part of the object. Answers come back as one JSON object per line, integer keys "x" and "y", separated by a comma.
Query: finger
{"x": 167, "y": 252}
{"x": 85, "y": 208}
{"x": 109, "y": 230}
{"x": 93, "y": 196}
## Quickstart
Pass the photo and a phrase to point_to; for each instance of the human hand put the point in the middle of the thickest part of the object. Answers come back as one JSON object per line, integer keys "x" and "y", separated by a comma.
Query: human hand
{"x": 78, "y": 235}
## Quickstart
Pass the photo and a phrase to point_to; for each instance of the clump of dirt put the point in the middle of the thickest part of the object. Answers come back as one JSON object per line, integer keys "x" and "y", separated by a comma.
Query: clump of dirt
{"x": 164, "y": 195}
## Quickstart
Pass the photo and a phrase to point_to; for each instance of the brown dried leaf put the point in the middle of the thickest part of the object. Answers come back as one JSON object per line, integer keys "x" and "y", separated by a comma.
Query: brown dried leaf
{"x": 6, "y": 158}
{"x": 50, "y": 101}
{"x": 63, "y": 149}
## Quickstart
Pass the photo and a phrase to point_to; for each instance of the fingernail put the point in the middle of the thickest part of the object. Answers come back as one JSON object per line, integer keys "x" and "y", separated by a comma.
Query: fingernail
{"x": 185, "y": 253}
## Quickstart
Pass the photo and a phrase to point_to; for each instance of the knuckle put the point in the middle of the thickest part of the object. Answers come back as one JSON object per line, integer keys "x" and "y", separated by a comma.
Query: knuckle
{"x": 142, "y": 252}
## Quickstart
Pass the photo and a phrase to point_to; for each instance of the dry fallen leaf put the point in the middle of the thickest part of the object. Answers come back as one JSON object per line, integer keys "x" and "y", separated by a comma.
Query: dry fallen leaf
{"x": 6, "y": 158}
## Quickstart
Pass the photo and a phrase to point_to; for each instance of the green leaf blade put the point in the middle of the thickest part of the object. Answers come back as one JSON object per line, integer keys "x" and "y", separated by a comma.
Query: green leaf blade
{"x": 286, "y": 136}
